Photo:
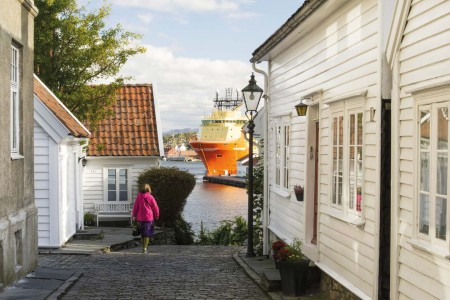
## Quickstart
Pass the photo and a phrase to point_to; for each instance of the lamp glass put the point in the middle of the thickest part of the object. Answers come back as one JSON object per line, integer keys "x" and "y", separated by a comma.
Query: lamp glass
{"x": 252, "y": 94}
{"x": 301, "y": 109}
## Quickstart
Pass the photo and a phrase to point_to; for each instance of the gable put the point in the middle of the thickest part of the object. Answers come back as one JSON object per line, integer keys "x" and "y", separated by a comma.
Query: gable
{"x": 58, "y": 109}
{"x": 398, "y": 26}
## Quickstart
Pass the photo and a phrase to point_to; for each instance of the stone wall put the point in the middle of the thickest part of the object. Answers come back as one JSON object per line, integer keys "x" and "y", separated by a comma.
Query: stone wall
{"x": 332, "y": 290}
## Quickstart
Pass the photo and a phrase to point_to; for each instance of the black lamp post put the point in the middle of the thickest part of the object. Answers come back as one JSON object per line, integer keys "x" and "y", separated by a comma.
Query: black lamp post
{"x": 252, "y": 94}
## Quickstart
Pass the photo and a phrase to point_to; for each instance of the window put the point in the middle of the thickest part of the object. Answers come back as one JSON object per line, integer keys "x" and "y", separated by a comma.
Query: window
{"x": 282, "y": 140}
{"x": 347, "y": 171}
{"x": 118, "y": 184}
{"x": 433, "y": 172}
{"x": 15, "y": 85}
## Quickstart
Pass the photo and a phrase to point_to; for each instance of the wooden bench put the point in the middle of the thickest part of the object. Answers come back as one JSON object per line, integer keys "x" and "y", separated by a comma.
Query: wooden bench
{"x": 112, "y": 210}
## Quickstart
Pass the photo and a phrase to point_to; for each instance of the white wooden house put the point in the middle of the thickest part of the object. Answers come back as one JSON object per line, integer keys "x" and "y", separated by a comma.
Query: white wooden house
{"x": 330, "y": 55}
{"x": 121, "y": 147}
{"x": 419, "y": 55}
{"x": 59, "y": 141}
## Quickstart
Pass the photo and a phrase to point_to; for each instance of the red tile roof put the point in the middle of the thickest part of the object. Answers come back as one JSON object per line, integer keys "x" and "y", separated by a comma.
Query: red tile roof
{"x": 132, "y": 128}
{"x": 63, "y": 114}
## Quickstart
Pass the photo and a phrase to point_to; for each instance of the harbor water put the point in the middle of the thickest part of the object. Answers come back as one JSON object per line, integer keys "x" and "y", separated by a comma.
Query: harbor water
{"x": 210, "y": 203}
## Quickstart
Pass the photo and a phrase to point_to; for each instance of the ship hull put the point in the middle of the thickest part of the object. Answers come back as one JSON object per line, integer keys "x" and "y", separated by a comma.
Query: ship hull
{"x": 220, "y": 158}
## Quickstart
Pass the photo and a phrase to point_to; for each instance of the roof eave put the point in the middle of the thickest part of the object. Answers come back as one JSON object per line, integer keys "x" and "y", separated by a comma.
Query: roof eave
{"x": 308, "y": 7}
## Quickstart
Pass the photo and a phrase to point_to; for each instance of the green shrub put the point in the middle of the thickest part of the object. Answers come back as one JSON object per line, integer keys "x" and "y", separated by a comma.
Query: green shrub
{"x": 229, "y": 233}
{"x": 171, "y": 187}
{"x": 89, "y": 219}
{"x": 183, "y": 232}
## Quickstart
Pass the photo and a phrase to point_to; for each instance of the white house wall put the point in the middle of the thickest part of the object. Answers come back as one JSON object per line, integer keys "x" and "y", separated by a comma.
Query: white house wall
{"x": 42, "y": 144}
{"x": 94, "y": 181}
{"x": 338, "y": 54}
{"x": 423, "y": 60}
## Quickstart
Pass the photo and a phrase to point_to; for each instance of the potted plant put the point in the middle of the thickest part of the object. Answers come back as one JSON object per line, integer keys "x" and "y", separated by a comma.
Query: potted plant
{"x": 298, "y": 190}
{"x": 278, "y": 246}
{"x": 293, "y": 266}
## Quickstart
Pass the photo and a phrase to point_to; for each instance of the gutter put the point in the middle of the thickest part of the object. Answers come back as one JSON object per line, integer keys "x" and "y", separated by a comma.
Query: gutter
{"x": 308, "y": 7}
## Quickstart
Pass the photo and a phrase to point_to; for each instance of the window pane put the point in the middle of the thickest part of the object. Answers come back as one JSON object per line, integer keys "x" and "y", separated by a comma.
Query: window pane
{"x": 123, "y": 196}
{"x": 335, "y": 127}
{"x": 425, "y": 129}
{"x": 441, "y": 218}
{"x": 424, "y": 171}
{"x": 424, "y": 214}
{"x": 442, "y": 128}
{"x": 15, "y": 124}
{"x": 360, "y": 128}
{"x": 441, "y": 180}
{"x": 111, "y": 196}
{"x": 352, "y": 129}
{"x": 112, "y": 172}
{"x": 341, "y": 130}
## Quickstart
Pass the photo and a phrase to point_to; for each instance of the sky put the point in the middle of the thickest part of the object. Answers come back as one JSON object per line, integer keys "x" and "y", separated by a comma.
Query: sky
{"x": 195, "y": 48}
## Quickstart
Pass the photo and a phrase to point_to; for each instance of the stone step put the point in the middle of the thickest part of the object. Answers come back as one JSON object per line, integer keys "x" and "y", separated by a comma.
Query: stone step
{"x": 91, "y": 234}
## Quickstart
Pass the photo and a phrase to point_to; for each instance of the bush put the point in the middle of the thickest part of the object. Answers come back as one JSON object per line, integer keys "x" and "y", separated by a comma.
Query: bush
{"x": 171, "y": 187}
{"x": 183, "y": 232}
{"x": 229, "y": 233}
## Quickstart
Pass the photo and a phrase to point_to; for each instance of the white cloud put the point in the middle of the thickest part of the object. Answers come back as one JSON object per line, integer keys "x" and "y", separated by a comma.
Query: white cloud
{"x": 146, "y": 18}
{"x": 185, "y": 87}
{"x": 182, "y": 5}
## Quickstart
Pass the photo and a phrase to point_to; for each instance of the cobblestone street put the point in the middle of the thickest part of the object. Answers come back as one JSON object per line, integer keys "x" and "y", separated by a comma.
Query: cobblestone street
{"x": 166, "y": 272}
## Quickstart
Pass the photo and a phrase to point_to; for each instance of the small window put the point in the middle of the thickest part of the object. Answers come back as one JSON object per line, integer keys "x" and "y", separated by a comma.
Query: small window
{"x": 282, "y": 155}
{"x": 118, "y": 185}
{"x": 15, "y": 101}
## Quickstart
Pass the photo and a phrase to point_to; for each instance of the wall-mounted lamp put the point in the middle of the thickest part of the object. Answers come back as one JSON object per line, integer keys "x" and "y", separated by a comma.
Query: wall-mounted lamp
{"x": 372, "y": 114}
{"x": 301, "y": 109}
{"x": 83, "y": 161}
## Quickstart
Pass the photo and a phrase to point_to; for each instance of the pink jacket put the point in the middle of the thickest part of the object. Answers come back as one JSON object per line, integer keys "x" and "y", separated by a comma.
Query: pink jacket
{"x": 145, "y": 208}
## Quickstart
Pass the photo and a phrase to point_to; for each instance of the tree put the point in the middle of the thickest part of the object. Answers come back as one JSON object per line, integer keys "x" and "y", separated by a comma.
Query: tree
{"x": 73, "y": 50}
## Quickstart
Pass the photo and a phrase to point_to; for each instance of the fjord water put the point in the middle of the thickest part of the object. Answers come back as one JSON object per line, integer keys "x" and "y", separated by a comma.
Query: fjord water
{"x": 210, "y": 202}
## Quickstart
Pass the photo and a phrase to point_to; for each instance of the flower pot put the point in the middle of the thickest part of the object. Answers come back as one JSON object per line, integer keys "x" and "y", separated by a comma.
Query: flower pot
{"x": 294, "y": 277}
{"x": 299, "y": 196}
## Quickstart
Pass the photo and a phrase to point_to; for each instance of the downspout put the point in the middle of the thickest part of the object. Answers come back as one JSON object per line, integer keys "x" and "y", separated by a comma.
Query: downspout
{"x": 265, "y": 216}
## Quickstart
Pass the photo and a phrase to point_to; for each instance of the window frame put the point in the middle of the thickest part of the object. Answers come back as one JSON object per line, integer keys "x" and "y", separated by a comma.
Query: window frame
{"x": 431, "y": 104}
{"x": 117, "y": 184}
{"x": 15, "y": 130}
{"x": 345, "y": 109}
{"x": 282, "y": 140}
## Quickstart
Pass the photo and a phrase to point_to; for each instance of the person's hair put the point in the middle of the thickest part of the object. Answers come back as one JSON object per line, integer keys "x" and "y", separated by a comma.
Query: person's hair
{"x": 146, "y": 188}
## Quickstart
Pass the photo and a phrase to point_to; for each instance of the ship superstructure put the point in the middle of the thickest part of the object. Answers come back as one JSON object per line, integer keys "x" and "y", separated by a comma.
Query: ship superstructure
{"x": 221, "y": 140}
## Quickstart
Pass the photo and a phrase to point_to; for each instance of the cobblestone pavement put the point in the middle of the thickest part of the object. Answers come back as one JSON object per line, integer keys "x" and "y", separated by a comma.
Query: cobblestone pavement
{"x": 166, "y": 272}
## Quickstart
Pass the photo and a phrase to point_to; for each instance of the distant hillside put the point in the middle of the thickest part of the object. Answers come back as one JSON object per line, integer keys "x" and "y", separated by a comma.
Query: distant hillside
{"x": 177, "y": 131}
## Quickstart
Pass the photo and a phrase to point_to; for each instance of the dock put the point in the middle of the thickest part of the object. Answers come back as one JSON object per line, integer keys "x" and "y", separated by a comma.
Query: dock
{"x": 226, "y": 180}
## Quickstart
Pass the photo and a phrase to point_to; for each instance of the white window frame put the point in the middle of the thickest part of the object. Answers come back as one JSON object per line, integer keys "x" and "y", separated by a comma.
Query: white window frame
{"x": 431, "y": 191}
{"x": 281, "y": 173}
{"x": 117, "y": 183}
{"x": 344, "y": 208}
{"x": 15, "y": 103}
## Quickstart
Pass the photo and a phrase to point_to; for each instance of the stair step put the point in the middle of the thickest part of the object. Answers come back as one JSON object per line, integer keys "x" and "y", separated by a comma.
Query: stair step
{"x": 92, "y": 234}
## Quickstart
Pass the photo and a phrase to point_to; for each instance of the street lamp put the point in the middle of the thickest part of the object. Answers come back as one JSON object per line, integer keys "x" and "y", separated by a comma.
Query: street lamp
{"x": 252, "y": 94}
{"x": 301, "y": 109}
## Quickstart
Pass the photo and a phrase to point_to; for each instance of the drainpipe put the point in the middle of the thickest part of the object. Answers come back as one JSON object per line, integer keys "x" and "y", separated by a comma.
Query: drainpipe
{"x": 265, "y": 216}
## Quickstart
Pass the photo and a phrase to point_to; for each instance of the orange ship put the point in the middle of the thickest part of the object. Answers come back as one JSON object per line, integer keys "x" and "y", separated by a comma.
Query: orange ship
{"x": 221, "y": 141}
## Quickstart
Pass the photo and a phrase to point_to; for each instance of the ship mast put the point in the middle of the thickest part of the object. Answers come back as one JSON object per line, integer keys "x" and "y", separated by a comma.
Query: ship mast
{"x": 228, "y": 103}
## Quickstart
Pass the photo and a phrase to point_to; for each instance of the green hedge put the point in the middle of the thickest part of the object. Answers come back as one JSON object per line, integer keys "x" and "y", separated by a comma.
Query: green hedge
{"x": 171, "y": 187}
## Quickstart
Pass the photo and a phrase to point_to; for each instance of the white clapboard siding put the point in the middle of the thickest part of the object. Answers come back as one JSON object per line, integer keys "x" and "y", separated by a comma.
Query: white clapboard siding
{"x": 423, "y": 59}
{"x": 339, "y": 56}
{"x": 41, "y": 184}
{"x": 93, "y": 181}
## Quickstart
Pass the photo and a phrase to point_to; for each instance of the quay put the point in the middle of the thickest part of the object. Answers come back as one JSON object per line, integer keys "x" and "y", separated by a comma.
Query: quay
{"x": 226, "y": 180}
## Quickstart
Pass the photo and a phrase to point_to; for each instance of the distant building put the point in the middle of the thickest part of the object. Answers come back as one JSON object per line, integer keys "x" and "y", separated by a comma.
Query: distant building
{"x": 18, "y": 213}
{"x": 121, "y": 147}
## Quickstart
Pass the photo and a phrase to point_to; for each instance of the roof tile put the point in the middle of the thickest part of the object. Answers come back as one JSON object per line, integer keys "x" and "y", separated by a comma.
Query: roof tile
{"x": 132, "y": 129}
